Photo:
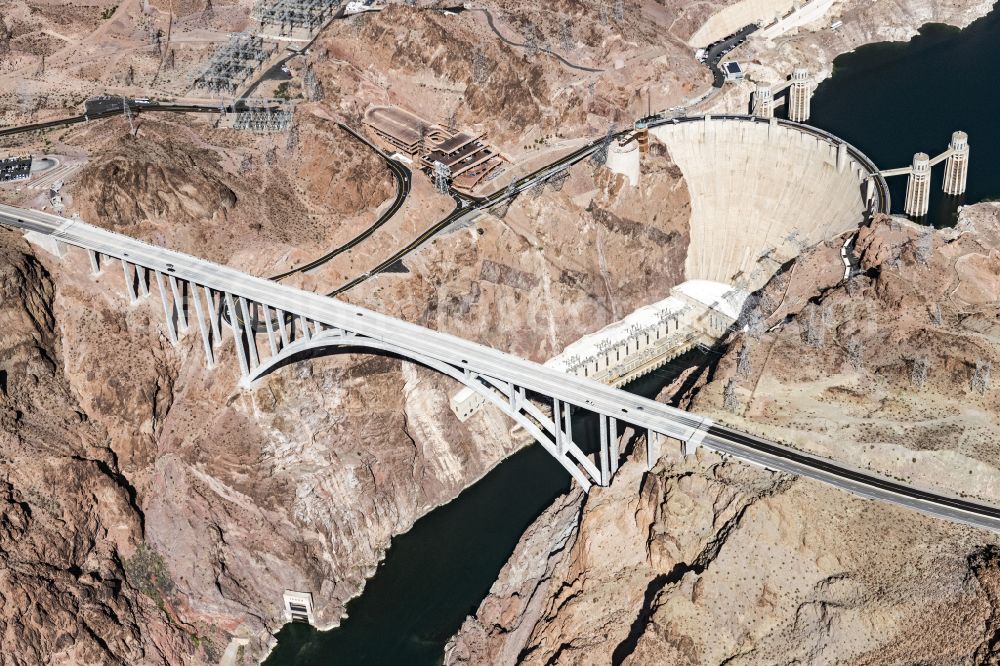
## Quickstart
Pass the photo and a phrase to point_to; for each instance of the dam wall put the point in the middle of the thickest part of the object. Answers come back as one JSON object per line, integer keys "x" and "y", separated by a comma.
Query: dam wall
{"x": 760, "y": 192}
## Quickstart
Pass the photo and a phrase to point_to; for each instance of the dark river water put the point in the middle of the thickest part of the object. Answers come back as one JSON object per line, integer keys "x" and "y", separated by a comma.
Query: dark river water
{"x": 437, "y": 573}
{"x": 894, "y": 99}
{"x": 890, "y": 101}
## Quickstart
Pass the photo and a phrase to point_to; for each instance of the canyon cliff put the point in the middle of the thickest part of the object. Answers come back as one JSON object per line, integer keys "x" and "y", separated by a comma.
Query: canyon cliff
{"x": 704, "y": 560}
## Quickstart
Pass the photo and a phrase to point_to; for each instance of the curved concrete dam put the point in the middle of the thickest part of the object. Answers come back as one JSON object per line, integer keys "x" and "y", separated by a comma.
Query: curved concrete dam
{"x": 761, "y": 191}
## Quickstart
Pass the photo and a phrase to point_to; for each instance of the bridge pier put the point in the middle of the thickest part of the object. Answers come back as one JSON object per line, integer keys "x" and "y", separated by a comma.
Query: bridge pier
{"x": 175, "y": 289}
{"x": 652, "y": 448}
{"x": 168, "y": 316}
{"x": 918, "y": 187}
{"x": 272, "y": 343}
{"x": 215, "y": 315}
{"x": 206, "y": 340}
{"x": 234, "y": 321}
{"x": 248, "y": 326}
{"x": 129, "y": 282}
{"x": 956, "y": 169}
{"x": 95, "y": 262}
{"x": 143, "y": 277}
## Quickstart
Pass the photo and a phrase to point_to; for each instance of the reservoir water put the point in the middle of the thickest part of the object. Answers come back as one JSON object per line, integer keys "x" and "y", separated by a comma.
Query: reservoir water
{"x": 890, "y": 100}
{"x": 894, "y": 99}
{"x": 437, "y": 573}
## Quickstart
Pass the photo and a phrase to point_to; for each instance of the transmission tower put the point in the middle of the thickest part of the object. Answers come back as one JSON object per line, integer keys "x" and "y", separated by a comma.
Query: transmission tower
{"x": 600, "y": 156}
{"x": 566, "y": 36}
{"x": 442, "y": 175}
{"x": 128, "y": 115}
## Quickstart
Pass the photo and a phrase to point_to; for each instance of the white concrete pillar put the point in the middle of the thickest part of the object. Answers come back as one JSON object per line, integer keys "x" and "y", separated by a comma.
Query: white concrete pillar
{"x": 270, "y": 330}
{"x": 613, "y": 450}
{"x": 250, "y": 335}
{"x": 178, "y": 303}
{"x": 214, "y": 314}
{"x": 605, "y": 451}
{"x": 281, "y": 327}
{"x": 956, "y": 168}
{"x": 557, "y": 422}
{"x": 652, "y": 448}
{"x": 918, "y": 187}
{"x": 143, "y": 275}
{"x": 95, "y": 262}
{"x": 129, "y": 282}
{"x": 304, "y": 324}
{"x": 171, "y": 328}
{"x": 199, "y": 312}
{"x": 234, "y": 321}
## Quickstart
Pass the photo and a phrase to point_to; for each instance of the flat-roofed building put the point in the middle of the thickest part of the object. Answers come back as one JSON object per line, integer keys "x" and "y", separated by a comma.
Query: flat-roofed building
{"x": 468, "y": 158}
{"x": 397, "y": 129}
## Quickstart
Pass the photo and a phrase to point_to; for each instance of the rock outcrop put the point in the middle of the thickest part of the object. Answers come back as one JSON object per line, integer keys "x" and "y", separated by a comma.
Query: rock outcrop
{"x": 702, "y": 560}
{"x": 70, "y": 527}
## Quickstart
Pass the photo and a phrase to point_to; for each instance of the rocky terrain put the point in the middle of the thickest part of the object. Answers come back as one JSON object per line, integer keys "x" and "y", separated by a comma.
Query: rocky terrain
{"x": 559, "y": 263}
{"x": 233, "y": 197}
{"x": 153, "y": 511}
{"x": 701, "y": 560}
{"x": 898, "y": 359}
{"x": 301, "y": 483}
{"x": 78, "y": 583}
{"x": 445, "y": 67}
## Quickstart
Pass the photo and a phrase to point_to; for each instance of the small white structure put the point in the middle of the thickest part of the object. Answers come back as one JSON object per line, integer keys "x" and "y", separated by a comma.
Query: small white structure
{"x": 734, "y": 71}
{"x": 358, "y": 6}
{"x": 623, "y": 158}
{"x": 298, "y": 606}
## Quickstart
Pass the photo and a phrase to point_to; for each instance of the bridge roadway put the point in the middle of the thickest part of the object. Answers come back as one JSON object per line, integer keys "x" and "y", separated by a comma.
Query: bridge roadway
{"x": 888, "y": 173}
{"x": 478, "y": 360}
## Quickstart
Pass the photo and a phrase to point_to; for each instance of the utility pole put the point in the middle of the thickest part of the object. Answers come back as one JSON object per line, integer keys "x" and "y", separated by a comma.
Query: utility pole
{"x": 128, "y": 115}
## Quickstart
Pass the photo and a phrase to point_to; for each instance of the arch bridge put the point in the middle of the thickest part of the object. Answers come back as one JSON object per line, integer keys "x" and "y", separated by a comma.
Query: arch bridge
{"x": 270, "y": 324}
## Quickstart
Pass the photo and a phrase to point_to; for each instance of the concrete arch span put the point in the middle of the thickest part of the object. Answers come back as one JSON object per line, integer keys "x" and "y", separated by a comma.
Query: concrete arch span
{"x": 499, "y": 393}
{"x": 761, "y": 191}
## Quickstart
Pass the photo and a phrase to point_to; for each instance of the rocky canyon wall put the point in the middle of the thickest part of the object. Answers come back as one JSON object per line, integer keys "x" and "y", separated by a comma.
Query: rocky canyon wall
{"x": 704, "y": 560}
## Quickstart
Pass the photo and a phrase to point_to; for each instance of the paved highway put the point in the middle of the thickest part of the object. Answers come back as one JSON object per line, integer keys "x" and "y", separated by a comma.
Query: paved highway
{"x": 493, "y": 27}
{"x": 106, "y": 107}
{"x": 479, "y": 359}
{"x": 475, "y": 205}
{"x": 404, "y": 180}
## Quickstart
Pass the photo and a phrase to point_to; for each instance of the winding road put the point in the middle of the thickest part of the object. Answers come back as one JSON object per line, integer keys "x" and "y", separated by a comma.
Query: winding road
{"x": 404, "y": 181}
{"x": 493, "y": 27}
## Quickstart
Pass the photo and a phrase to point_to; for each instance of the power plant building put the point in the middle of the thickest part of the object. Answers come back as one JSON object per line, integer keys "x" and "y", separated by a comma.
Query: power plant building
{"x": 466, "y": 156}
